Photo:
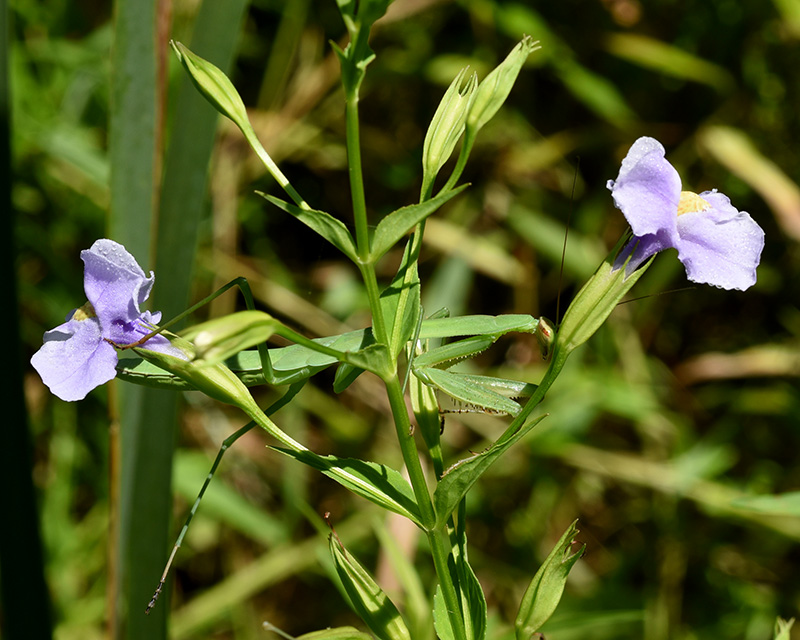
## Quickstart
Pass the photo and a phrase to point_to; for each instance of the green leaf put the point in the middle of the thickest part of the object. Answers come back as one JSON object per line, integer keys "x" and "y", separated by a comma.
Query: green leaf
{"x": 345, "y": 376}
{"x": 337, "y": 633}
{"x": 670, "y": 60}
{"x": 400, "y": 301}
{"x": 781, "y": 504}
{"x": 461, "y": 476}
{"x": 472, "y": 597}
{"x": 544, "y": 592}
{"x": 441, "y": 621}
{"x": 368, "y": 600}
{"x": 398, "y": 223}
{"x": 376, "y": 482}
{"x": 477, "y": 325}
{"x": 333, "y": 230}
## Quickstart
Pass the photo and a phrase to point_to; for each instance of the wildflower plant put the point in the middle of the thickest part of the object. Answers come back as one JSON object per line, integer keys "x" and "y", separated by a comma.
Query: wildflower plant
{"x": 224, "y": 357}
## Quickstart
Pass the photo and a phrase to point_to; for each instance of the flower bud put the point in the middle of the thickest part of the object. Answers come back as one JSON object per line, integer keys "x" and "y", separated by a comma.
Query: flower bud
{"x": 214, "y": 85}
{"x": 494, "y": 89}
{"x": 447, "y": 126}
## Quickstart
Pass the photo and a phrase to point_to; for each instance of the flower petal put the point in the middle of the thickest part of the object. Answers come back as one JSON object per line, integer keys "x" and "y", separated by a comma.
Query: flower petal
{"x": 642, "y": 248}
{"x": 114, "y": 282}
{"x": 75, "y": 359}
{"x": 720, "y": 246}
{"x": 647, "y": 190}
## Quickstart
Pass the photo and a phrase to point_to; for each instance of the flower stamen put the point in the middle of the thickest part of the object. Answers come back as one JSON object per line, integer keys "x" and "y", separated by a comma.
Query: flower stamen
{"x": 690, "y": 202}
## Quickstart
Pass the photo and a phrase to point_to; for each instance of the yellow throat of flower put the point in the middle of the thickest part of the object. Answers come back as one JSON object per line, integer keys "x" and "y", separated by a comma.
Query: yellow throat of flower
{"x": 84, "y": 313}
{"x": 690, "y": 201}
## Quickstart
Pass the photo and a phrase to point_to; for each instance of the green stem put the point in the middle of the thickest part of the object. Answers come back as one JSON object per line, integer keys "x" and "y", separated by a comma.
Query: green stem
{"x": 556, "y": 365}
{"x": 438, "y": 538}
{"x": 366, "y": 265}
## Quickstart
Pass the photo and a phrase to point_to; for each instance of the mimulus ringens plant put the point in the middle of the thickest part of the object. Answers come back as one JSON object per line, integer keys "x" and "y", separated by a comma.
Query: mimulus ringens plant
{"x": 717, "y": 244}
{"x": 77, "y": 356}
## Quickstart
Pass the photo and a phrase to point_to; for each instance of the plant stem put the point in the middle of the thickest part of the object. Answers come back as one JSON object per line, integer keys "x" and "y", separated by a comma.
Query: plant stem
{"x": 366, "y": 265}
{"x": 437, "y": 537}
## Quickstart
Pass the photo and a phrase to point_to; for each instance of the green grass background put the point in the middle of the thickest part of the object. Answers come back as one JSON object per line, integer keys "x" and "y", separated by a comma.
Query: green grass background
{"x": 667, "y": 433}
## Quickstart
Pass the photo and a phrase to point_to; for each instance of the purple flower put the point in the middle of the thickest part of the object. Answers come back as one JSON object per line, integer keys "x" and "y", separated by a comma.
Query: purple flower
{"x": 717, "y": 244}
{"x": 76, "y": 356}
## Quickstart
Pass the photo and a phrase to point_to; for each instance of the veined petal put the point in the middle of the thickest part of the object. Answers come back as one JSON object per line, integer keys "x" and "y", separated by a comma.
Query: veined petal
{"x": 640, "y": 249}
{"x": 114, "y": 282}
{"x": 647, "y": 190}
{"x": 75, "y": 359}
{"x": 720, "y": 246}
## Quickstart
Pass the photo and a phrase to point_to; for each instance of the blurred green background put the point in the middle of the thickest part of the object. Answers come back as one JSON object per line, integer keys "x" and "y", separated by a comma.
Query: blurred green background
{"x": 667, "y": 433}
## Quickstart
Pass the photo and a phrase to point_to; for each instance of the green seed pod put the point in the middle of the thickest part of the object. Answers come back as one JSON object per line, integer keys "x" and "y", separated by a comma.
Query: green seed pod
{"x": 366, "y": 597}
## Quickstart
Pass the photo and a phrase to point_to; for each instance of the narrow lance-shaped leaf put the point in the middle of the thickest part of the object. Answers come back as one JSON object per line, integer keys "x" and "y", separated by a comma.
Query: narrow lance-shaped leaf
{"x": 398, "y": 223}
{"x": 544, "y": 592}
{"x": 368, "y": 600}
{"x": 330, "y": 228}
{"x": 376, "y": 482}
{"x": 461, "y": 476}
{"x": 217, "y": 88}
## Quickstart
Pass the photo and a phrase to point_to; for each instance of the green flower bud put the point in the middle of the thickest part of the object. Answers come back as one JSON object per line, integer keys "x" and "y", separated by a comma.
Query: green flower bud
{"x": 367, "y": 598}
{"x": 214, "y": 85}
{"x": 494, "y": 89}
{"x": 544, "y": 592}
{"x": 447, "y": 126}
{"x": 218, "y": 339}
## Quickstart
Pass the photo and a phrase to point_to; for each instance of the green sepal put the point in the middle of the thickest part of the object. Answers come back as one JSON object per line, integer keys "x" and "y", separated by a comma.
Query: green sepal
{"x": 458, "y": 479}
{"x": 544, "y": 592}
{"x": 216, "y": 381}
{"x": 330, "y": 228}
{"x": 595, "y": 301}
{"x": 219, "y": 339}
{"x": 398, "y": 223}
{"x": 368, "y": 600}
{"x": 377, "y": 483}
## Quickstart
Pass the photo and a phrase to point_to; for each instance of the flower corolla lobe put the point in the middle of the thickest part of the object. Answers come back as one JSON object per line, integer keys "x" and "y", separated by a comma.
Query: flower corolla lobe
{"x": 716, "y": 243}
{"x": 77, "y": 355}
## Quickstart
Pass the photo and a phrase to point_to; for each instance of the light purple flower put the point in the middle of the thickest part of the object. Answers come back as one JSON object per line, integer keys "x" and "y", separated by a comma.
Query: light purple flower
{"x": 76, "y": 357}
{"x": 717, "y": 244}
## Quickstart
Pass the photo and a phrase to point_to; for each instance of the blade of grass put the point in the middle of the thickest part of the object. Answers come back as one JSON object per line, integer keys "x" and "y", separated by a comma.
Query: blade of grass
{"x": 148, "y": 416}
